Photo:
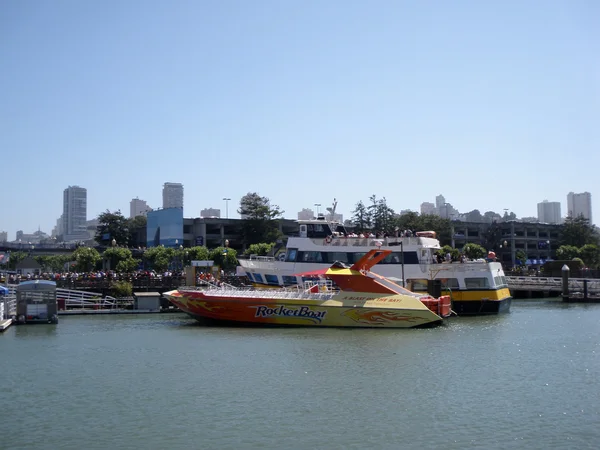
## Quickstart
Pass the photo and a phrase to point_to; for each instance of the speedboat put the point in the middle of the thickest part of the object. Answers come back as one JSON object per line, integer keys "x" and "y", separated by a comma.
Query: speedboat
{"x": 475, "y": 287}
{"x": 337, "y": 296}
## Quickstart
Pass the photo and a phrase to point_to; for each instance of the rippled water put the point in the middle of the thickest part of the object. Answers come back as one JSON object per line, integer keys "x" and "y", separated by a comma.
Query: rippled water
{"x": 528, "y": 379}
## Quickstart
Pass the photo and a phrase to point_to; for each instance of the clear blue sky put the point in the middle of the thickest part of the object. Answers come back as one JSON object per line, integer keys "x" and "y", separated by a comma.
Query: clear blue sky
{"x": 492, "y": 104}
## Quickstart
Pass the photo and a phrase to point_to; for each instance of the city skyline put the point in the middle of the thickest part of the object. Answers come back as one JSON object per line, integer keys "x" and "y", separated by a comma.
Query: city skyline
{"x": 492, "y": 103}
{"x": 306, "y": 211}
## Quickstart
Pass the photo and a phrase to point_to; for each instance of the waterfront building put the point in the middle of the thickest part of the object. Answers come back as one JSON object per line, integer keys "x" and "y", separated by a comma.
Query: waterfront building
{"x": 306, "y": 214}
{"x": 210, "y": 212}
{"x": 165, "y": 227}
{"x": 538, "y": 241}
{"x": 3, "y": 236}
{"x": 172, "y": 195}
{"x": 74, "y": 213}
{"x": 138, "y": 207}
{"x": 548, "y": 212}
{"x": 579, "y": 205}
{"x": 427, "y": 208}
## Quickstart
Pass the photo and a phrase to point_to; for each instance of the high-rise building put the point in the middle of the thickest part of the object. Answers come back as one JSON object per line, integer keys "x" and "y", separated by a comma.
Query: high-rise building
{"x": 427, "y": 208}
{"x": 210, "y": 212}
{"x": 138, "y": 207}
{"x": 74, "y": 213}
{"x": 306, "y": 214}
{"x": 3, "y": 236}
{"x": 440, "y": 201}
{"x": 549, "y": 212}
{"x": 580, "y": 205}
{"x": 172, "y": 195}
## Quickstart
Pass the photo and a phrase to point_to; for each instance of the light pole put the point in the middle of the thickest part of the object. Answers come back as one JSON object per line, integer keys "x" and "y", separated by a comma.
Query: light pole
{"x": 226, "y": 207}
{"x": 402, "y": 262}
{"x": 318, "y": 205}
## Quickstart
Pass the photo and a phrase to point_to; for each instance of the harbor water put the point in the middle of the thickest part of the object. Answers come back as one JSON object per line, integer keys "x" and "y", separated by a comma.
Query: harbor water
{"x": 526, "y": 379}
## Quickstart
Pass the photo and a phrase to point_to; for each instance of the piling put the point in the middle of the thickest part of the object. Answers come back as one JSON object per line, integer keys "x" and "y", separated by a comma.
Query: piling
{"x": 565, "y": 282}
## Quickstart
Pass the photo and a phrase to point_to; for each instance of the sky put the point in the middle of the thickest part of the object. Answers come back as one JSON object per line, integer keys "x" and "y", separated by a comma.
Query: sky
{"x": 493, "y": 104}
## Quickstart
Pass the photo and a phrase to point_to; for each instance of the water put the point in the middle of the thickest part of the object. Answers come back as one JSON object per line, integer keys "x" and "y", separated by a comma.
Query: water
{"x": 528, "y": 379}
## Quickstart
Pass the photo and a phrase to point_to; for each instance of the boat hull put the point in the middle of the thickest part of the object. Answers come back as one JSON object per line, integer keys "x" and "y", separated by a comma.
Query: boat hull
{"x": 275, "y": 312}
{"x": 481, "y": 302}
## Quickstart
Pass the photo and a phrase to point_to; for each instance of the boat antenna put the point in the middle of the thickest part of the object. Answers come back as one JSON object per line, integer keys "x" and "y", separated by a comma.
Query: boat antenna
{"x": 331, "y": 211}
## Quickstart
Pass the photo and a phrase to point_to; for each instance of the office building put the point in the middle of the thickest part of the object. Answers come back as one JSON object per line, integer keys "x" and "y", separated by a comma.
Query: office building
{"x": 74, "y": 215}
{"x": 172, "y": 195}
{"x": 427, "y": 208}
{"x": 138, "y": 207}
{"x": 306, "y": 214}
{"x": 580, "y": 205}
{"x": 548, "y": 212}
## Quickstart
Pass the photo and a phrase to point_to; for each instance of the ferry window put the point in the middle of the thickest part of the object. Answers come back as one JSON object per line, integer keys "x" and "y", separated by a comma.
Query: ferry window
{"x": 291, "y": 255}
{"x": 450, "y": 283}
{"x": 479, "y": 282}
{"x": 500, "y": 281}
{"x": 356, "y": 257}
{"x": 289, "y": 280}
{"x": 258, "y": 277}
{"x": 392, "y": 258}
{"x": 272, "y": 279}
{"x": 313, "y": 257}
{"x": 337, "y": 256}
{"x": 418, "y": 285}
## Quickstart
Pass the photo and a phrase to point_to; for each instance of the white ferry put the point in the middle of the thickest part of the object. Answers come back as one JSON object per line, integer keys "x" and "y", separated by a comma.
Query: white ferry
{"x": 475, "y": 287}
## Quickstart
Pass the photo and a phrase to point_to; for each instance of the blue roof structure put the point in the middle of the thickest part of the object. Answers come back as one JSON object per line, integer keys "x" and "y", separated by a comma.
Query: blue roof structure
{"x": 3, "y": 290}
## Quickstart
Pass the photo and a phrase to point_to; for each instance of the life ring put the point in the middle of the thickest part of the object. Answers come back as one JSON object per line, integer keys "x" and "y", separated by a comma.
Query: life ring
{"x": 328, "y": 240}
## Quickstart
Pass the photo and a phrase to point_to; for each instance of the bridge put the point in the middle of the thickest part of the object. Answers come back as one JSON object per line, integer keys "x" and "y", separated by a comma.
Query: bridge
{"x": 549, "y": 286}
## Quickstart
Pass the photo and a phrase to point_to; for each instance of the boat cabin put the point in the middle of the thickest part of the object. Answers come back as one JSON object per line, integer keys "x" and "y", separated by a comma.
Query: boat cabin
{"x": 320, "y": 228}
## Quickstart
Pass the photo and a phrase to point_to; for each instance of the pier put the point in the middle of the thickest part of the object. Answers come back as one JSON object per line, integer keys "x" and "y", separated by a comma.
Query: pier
{"x": 579, "y": 289}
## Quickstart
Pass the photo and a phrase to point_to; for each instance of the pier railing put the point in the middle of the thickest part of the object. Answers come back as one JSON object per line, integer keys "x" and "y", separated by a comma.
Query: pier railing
{"x": 552, "y": 284}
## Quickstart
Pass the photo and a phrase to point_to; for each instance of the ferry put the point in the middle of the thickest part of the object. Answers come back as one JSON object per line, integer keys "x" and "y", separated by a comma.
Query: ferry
{"x": 475, "y": 287}
{"x": 337, "y": 296}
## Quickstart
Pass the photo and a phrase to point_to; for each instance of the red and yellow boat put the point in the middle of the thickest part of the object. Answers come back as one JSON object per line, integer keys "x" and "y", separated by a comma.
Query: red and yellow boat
{"x": 338, "y": 296}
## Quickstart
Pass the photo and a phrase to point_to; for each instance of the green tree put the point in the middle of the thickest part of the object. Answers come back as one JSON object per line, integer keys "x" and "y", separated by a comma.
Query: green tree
{"x": 361, "y": 219}
{"x": 120, "y": 259}
{"x": 120, "y": 289}
{"x": 199, "y": 253}
{"x": 578, "y": 232}
{"x": 474, "y": 251}
{"x": 15, "y": 258}
{"x": 136, "y": 228}
{"x": 86, "y": 259}
{"x": 224, "y": 257}
{"x": 53, "y": 263}
{"x": 520, "y": 257}
{"x": 590, "y": 255}
{"x": 261, "y": 249}
{"x": 381, "y": 215}
{"x": 159, "y": 258}
{"x": 112, "y": 225}
{"x": 454, "y": 252}
{"x": 567, "y": 252}
{"x": 259, "y": 223}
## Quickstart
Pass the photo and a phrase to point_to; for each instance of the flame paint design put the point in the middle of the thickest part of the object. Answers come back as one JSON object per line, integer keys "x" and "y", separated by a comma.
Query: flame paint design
{"x": 377, "y": 317}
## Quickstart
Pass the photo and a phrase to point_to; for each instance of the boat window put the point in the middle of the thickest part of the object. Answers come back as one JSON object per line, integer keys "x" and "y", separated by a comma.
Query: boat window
{"x": 474, "y": 283}
{"x": 272, "y": 279}
{"x": 337, "y": 256}
{"x": 450, "y": 283}
{"x": 500, "y": 281}
{"x": 417, "y": 285}
{"x": 313, "y": 257}
{"x": 356, "y": 257}
{"x": 291, "y": 255}
{"x": 258, "y": 277}
{"x": 289, "y": 280}
{"x": 392, "y": 258}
